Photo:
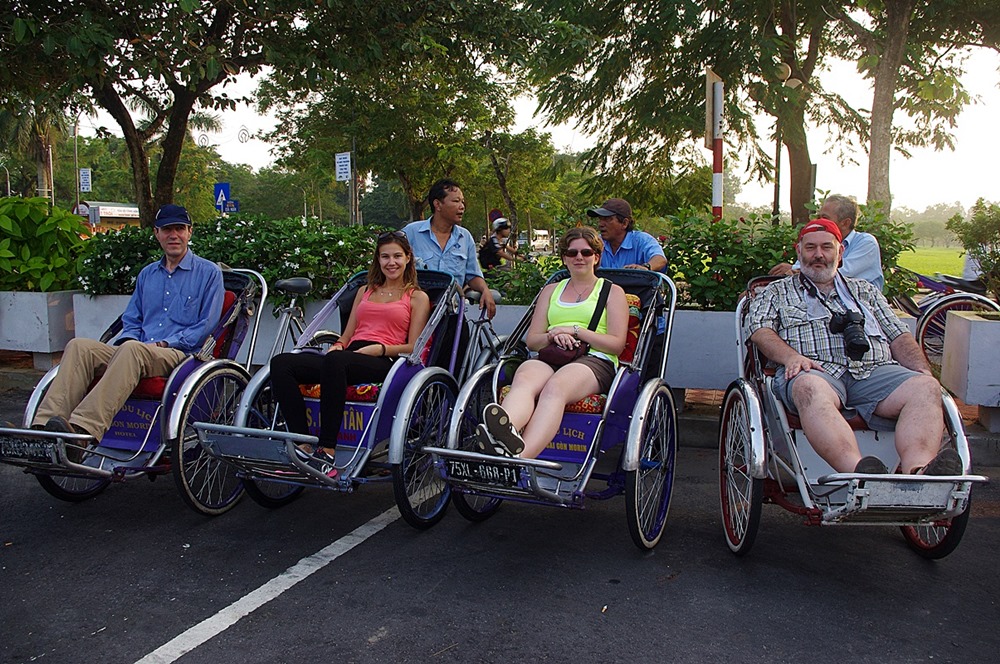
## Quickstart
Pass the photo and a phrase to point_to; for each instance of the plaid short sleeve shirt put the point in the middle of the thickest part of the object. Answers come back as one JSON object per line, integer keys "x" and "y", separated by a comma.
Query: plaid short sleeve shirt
{"x": 784, "y": 306}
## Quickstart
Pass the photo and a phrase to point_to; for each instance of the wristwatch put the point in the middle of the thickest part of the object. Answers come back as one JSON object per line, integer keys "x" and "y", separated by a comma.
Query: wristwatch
{"x": 646, "y": 265}
{"x": 576, "y": 331}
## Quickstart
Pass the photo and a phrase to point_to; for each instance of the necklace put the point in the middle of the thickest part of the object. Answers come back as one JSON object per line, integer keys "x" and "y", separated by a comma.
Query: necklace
{"x": 580, "y": 295}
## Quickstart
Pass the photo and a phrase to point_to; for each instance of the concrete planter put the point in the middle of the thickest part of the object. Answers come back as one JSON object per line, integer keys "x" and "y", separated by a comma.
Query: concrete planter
{"x": 40, "y": 323}
{"x": 702, "y": 346}
{"x": 94, "y": 313}
{"x": 970, "y": 366}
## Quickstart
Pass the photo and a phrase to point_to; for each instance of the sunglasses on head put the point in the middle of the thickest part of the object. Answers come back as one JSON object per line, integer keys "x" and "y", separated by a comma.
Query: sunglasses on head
{"x": 389, "y": 235}
{"x": 586, "y": 253}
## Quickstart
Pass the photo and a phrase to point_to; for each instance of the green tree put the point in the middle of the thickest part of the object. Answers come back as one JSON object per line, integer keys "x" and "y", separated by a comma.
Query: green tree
{"x": 912, "y": 51}
{"x": 633, "y": 74}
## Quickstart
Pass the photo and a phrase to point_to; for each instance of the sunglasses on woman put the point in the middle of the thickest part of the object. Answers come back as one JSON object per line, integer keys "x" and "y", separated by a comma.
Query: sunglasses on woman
{"x": 389, "y": 235}
{"x": 571, "y": 253}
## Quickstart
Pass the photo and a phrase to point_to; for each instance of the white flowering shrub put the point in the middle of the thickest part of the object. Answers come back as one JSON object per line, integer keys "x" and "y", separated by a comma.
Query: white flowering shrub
{"x": 277, "y": 248}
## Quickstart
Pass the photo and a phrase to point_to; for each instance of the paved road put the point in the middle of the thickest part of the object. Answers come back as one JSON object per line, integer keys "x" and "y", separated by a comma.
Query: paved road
{"x": 122, "y": 576}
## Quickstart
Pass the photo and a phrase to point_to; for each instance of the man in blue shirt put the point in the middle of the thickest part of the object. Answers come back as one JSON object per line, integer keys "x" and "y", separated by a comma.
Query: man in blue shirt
{"x": 441, "y": 243}
{"x": 624, "y": 246}
{"x": 862, "y": 256}
{"x": 176, "y": 304}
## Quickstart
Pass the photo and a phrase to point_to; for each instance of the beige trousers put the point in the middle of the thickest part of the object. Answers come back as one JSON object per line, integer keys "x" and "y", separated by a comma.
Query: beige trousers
{"x": 122, "y": 368}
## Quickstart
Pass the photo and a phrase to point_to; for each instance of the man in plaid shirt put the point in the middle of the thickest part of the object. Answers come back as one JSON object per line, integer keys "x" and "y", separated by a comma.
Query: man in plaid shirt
{"x": 890, "y": 385}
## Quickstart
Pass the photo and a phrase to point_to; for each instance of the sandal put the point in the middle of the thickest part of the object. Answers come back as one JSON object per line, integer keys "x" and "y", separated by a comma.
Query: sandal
{"x": 488, "y": 445}
{"x": 501, "y": 430}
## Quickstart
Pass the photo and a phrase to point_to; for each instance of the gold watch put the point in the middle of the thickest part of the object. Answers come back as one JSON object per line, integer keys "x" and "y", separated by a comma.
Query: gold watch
{"x": 576, "y": 331}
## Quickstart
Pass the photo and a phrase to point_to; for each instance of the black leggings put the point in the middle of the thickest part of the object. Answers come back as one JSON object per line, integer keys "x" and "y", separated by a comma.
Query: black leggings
{"x": 334, "y": 372}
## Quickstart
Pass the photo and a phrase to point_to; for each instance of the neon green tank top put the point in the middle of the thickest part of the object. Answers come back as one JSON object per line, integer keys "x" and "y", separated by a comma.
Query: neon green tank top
{"x": 568, "y": 314}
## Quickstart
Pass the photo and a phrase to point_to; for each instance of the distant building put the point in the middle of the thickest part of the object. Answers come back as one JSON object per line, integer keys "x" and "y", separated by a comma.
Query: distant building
{"x": 104, "y": 216}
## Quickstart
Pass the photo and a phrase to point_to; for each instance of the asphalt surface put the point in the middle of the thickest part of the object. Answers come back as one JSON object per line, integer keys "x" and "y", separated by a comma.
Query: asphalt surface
{"x": 120, "y": 577}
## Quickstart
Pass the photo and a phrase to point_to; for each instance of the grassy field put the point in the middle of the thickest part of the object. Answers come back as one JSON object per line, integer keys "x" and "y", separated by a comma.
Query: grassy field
{"x": 930, "y": 260}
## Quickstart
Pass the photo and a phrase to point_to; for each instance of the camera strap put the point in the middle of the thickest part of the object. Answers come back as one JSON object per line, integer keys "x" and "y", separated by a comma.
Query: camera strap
{"x": 872, "y": 327}
{"x": 812, "y": 291}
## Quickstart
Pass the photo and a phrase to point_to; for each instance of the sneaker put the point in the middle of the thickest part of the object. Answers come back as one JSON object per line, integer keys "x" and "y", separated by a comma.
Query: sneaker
{"x": 488, "y": 445}
{"x": 947, "y": 462}
{"x": 871, "y": 465}
{"x": 501, "y": 430}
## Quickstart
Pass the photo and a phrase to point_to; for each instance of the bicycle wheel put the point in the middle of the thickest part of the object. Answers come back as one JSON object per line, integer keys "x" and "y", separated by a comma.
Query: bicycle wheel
{"x": 937, "y": 540}
{"x": 931, "y": 324}
{"x": 648, "y": 489}
{"x": 475, "y": 396}
{"x": 206, "y": 484}
{"x": 72, "y": 489}
{"x": 265, "y": 414}
{"x": 419, "y": 488}
{"x": 740, "y": 493}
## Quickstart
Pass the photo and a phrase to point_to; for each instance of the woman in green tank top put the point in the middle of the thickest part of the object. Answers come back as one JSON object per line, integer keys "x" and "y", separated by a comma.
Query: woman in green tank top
{"x": 531, "y": 413}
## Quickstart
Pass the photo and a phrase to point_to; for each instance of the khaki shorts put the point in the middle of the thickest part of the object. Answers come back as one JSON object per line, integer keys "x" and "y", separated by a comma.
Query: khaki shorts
{"x": 604, "y": 371}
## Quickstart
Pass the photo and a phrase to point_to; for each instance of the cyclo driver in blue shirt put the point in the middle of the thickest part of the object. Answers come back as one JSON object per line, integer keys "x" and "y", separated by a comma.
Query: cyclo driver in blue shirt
{"x": 441, "y": 243}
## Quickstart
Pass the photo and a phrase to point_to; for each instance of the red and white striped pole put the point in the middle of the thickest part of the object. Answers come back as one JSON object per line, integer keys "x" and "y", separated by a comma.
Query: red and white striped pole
{"x": 717, "y": 96}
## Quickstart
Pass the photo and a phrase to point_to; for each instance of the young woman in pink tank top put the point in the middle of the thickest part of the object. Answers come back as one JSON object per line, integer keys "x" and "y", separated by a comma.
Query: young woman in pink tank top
{"x": 386, "y": 319}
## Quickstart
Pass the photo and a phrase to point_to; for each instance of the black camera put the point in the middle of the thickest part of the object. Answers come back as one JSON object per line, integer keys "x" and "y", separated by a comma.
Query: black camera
{"x": 852, "y": 326}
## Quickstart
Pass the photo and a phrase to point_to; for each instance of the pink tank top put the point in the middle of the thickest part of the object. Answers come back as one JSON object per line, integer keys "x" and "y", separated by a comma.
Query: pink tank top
{"x": 383, "y": 322}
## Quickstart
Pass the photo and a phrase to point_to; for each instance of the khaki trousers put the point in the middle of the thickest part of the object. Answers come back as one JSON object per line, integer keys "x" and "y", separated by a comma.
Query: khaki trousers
{"x": 122, "y": 368}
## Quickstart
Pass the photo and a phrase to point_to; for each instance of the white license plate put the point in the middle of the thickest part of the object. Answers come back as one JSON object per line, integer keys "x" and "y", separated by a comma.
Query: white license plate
{"x": 484, "y": 472}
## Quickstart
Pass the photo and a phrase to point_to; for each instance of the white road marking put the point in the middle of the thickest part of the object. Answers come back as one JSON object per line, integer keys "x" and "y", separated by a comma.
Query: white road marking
{"x": 229, "y": 616}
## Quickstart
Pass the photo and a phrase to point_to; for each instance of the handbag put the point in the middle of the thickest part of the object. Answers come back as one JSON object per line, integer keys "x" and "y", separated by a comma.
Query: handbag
{"x": 557, "y": 356}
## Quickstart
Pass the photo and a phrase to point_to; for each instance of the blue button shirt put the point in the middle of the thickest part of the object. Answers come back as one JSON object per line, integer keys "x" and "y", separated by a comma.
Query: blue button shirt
{"x": 863, "y": 258}
{"x": 636, "y": 248}
{"x": 181, "y": 308}
{"x": 459, "y": 257}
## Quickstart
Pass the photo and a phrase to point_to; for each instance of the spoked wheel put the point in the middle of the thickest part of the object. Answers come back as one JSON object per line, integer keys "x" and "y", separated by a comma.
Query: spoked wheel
{"x": 206, "y": 484}
{"x": 264, "y": 413}
{"x": 741, "y": 494}
{"x": 420, "y": 490}
{"x": 73, "y": 489}
{"x": 648, "y": 488}
{"x": 937, "y": 540}
{"x": 70, "y": 489}
{"x": 931, "y": 324}
{"x": 472, "y": 507}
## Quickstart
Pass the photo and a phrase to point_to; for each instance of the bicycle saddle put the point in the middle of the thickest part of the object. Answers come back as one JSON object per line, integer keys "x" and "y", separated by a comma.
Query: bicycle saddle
{"x": 295, "y": 285}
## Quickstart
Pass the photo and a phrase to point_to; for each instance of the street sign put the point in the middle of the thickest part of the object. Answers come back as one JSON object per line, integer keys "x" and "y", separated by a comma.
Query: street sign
{"x": 84, "y": 179}
{"x": 232, "y": 206}
{"x": 343, "y": 164}
{"x": 221, "y": 195}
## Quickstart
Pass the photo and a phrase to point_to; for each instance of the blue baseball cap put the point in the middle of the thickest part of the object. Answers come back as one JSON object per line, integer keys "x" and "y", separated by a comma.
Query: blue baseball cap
{"x": 170, "y": 215}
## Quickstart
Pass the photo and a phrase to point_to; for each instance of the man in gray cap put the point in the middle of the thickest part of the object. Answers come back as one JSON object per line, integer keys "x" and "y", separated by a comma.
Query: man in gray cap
{"x": 497, "y": 246}
{"x": 176, "y": 303}
{"x": 624, "y": 245}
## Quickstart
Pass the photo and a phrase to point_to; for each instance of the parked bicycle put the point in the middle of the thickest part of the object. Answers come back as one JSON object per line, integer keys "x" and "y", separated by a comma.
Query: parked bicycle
{"x": 943, "y": 293}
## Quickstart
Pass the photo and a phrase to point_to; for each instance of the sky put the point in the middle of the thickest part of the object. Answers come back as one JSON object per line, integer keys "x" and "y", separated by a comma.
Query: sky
{"x": 929, "y": 177}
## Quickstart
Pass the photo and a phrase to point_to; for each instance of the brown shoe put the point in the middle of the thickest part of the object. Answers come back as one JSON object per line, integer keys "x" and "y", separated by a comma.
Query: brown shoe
{"x": 947, "y": 462}
{"x": 61, "y": 424}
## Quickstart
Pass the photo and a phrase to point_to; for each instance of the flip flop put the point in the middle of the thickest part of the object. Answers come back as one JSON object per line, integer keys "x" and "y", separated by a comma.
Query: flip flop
{"x": 501, "y": 430}
{"x": 487, "y": 445}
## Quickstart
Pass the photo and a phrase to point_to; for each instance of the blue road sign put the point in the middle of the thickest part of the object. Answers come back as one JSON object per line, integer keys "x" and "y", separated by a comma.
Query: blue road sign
{"x": 221, "y": 195}
{"x": 232, "y": 206}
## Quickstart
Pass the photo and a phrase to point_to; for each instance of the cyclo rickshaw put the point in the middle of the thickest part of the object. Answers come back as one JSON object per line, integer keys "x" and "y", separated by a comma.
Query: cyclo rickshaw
{"x": 633, "y": 427}
{"x": 384, "y": 425}
{"x": 764, "y": 456}
{"x": 151, "y": 435}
